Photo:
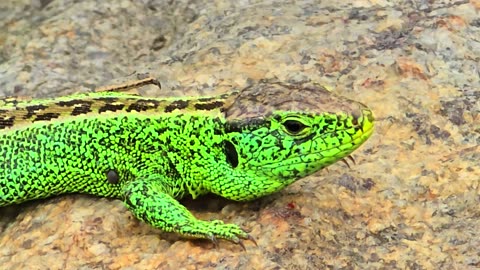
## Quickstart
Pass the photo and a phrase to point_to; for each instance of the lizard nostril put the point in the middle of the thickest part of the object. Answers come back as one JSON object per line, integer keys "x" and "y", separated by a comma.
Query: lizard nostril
{"x": 355, "y": 120}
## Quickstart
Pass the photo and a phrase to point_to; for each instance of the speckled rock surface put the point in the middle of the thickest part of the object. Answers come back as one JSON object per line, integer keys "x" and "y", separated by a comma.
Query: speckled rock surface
{"x": 411, "y": 201}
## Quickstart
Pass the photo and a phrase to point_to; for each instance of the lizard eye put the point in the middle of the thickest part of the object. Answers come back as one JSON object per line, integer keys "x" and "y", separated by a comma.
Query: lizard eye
{"x": 294, "y": 127}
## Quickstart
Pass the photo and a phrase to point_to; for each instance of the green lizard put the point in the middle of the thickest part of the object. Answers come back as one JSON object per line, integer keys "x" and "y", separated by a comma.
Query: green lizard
{"x": 150, "y": 152}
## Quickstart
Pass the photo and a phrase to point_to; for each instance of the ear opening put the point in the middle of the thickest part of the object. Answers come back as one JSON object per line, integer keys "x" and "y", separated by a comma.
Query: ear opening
{"x": 231, "y": 153}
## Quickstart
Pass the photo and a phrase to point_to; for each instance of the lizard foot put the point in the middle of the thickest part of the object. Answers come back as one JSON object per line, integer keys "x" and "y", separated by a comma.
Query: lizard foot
{"x": 214, "y": 230}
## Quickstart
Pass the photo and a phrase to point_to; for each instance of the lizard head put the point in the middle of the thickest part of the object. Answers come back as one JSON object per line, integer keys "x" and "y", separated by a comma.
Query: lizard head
{"x": 277, "y": 134}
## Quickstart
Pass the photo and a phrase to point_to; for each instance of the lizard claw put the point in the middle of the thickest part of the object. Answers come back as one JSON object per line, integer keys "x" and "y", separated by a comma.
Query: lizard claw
{"x": 237, "y": 241}
{"x": 249, "y": 237}
{"x": 213, "y": 239}
{"x": 242, "y": 245}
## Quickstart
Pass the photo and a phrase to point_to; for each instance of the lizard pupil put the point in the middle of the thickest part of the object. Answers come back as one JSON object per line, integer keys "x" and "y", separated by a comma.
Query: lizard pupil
{"x": 294, "y": 127}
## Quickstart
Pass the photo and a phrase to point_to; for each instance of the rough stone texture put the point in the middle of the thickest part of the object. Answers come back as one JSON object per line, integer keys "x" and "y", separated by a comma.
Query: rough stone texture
{"x": 411, "y": 201}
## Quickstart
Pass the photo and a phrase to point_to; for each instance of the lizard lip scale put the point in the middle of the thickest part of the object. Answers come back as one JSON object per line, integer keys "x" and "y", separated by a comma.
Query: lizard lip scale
{"x": 150, "y": 152}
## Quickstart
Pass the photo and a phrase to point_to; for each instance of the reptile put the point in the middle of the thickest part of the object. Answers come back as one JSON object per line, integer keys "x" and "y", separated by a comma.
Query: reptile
{"x": 150, "y": 152}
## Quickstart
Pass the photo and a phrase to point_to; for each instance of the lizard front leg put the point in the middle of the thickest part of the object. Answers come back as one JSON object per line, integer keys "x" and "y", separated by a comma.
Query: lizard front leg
{"x": 148, "y": 200}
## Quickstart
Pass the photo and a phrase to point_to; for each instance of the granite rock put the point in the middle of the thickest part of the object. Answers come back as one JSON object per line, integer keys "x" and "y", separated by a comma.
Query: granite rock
{"x": 410, "y": 202}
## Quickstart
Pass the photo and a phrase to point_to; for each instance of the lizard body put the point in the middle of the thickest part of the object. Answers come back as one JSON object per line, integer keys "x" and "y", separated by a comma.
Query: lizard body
{"x": 150, "y": 152}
